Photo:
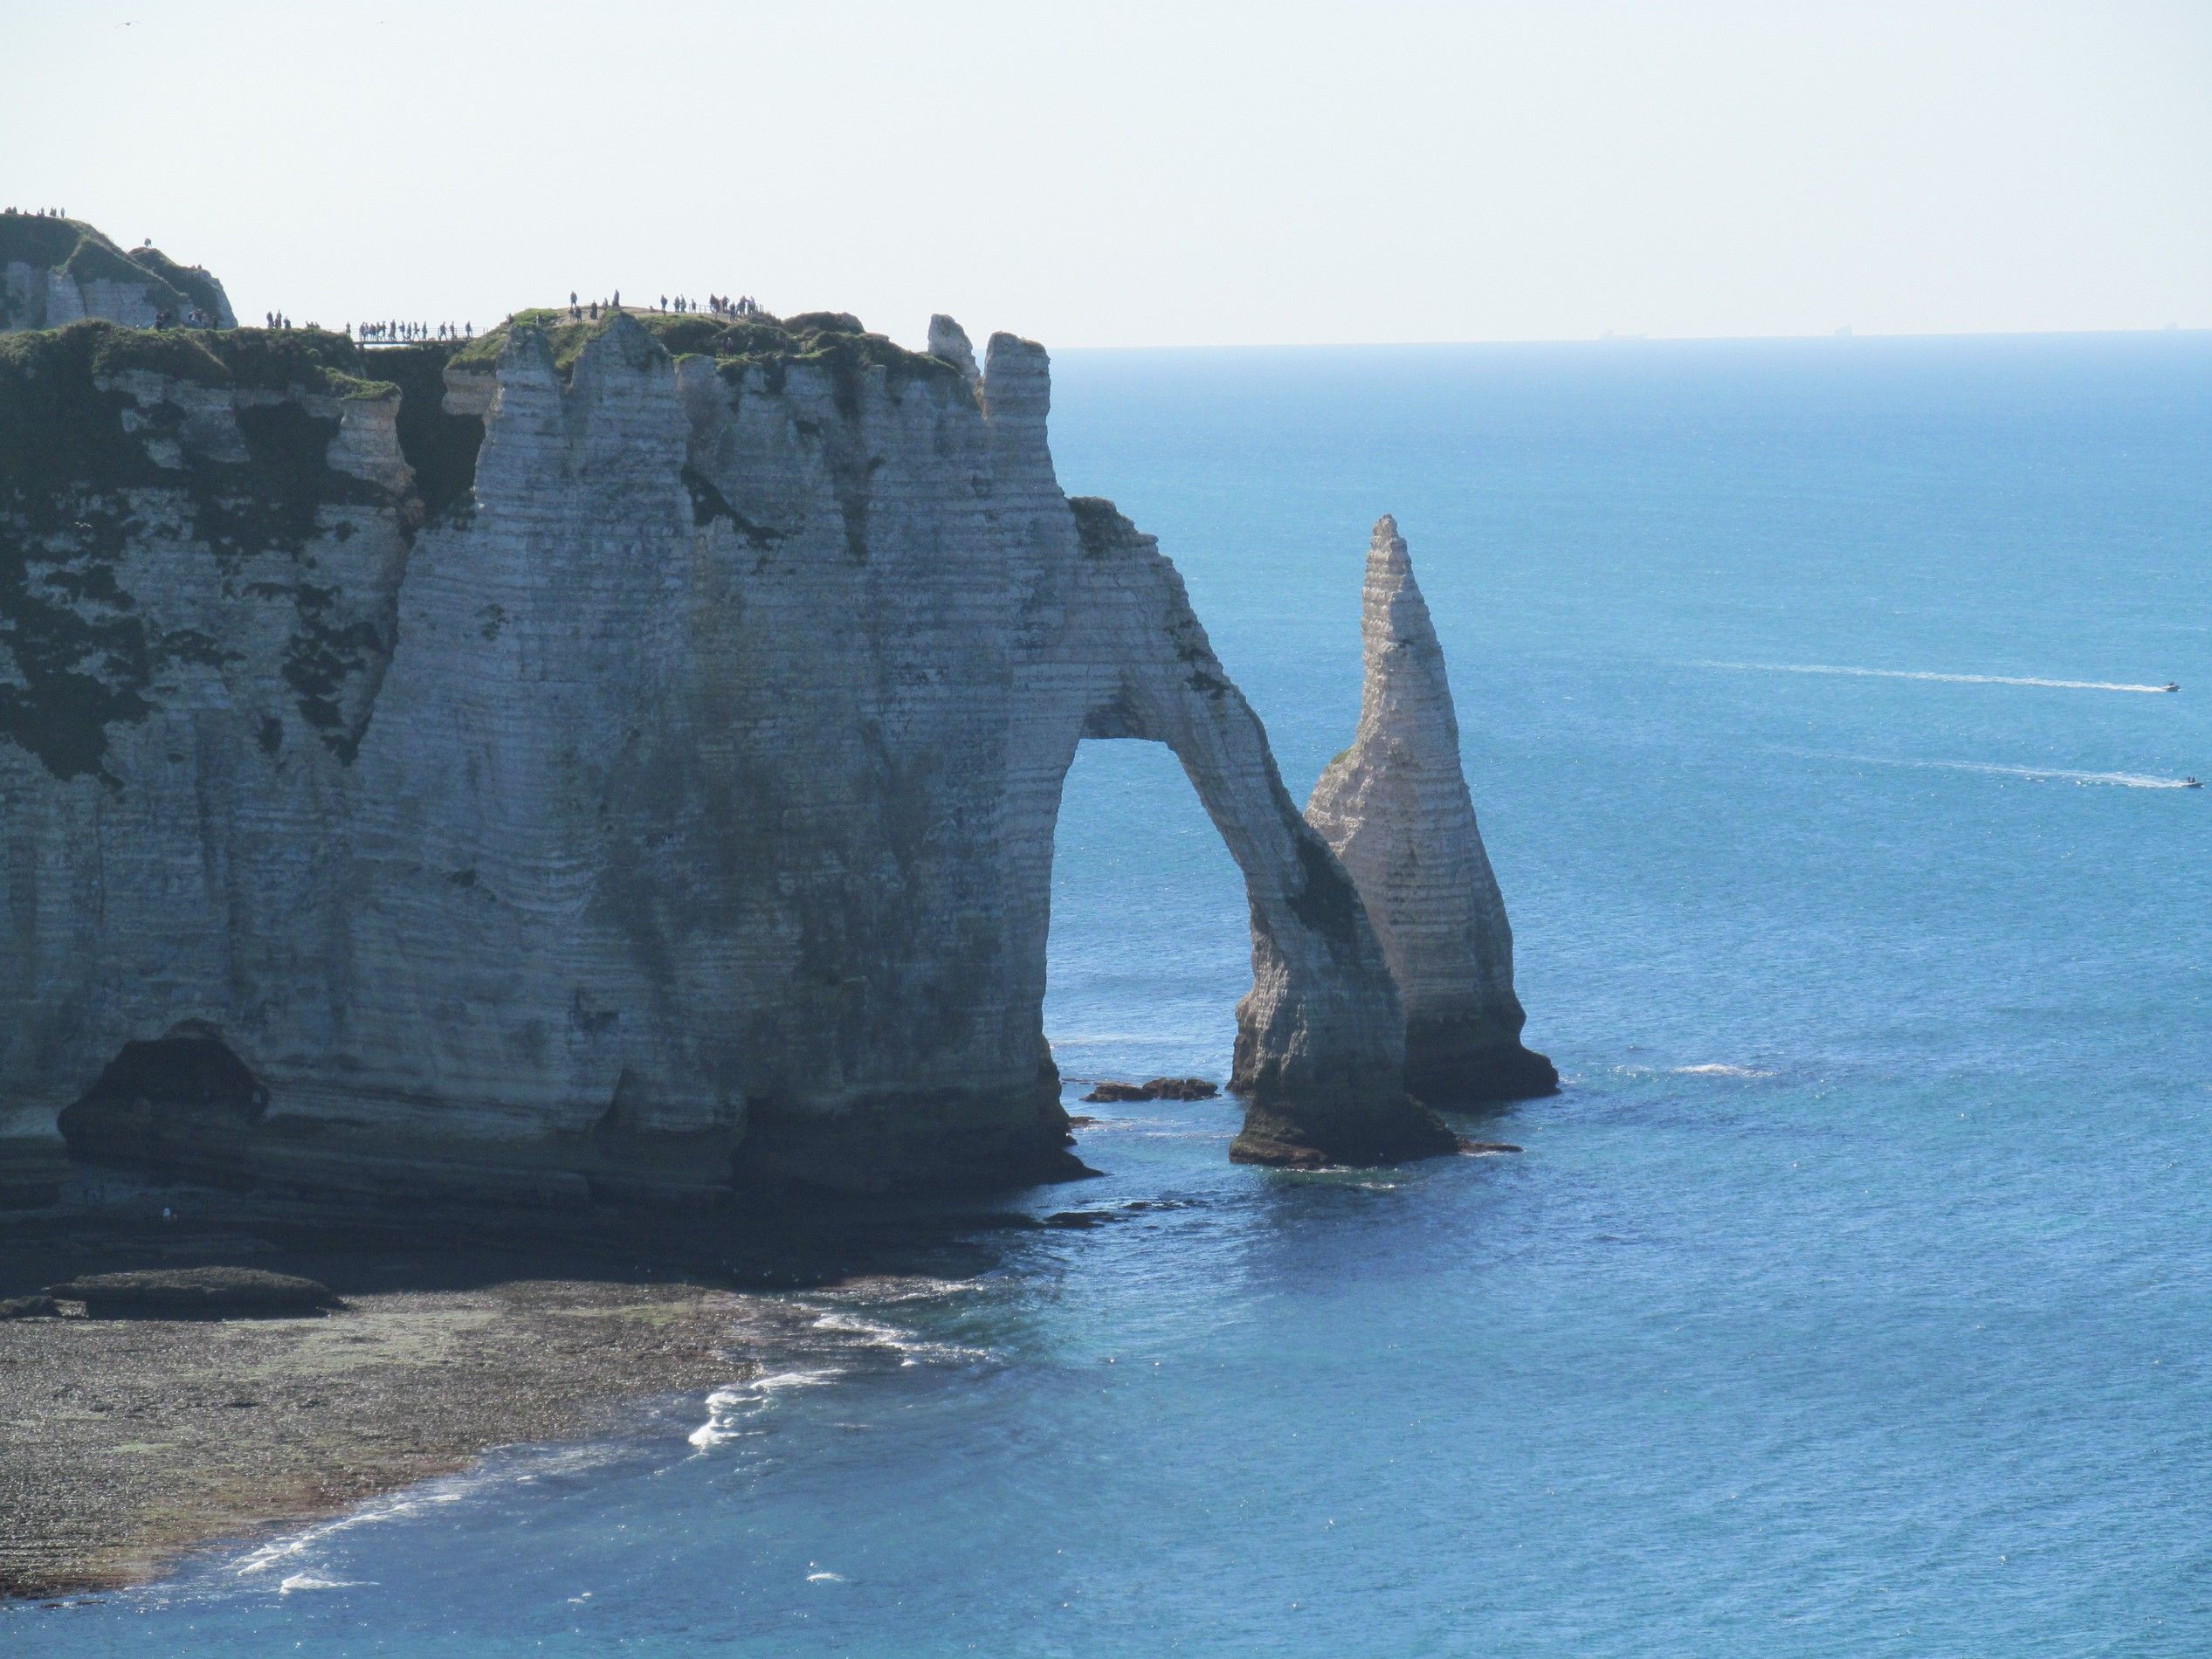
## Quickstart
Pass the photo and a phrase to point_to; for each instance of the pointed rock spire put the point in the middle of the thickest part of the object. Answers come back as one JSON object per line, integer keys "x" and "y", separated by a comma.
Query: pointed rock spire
{"x": 1395, "y": 811}
{"x": 948, "y": 343}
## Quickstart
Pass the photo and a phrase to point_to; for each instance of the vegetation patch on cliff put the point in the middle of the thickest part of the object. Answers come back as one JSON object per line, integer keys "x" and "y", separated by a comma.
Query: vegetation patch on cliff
{"x": 77, "y": 656}
{"x": 82, "y": 253}
{"x": 709, "y": 504}
{"x": 73, "y": 653}
{"x": 1099, "y": 527}
{"x": 831, "y": 340}
{"x": 194, "y": 284}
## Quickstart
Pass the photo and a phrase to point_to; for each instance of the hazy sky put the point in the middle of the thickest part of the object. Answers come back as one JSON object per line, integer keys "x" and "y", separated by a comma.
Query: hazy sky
{"x": 1138, "y": 174}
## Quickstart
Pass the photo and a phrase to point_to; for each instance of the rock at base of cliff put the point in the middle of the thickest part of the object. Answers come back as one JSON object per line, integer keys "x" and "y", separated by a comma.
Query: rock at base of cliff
{"x": 1453, "y": 1077}
{"x": 1155, "y": 1089}
{"x": 1181, "y": 1089}
{"x": 195, "y": 1292}
{"x": 944, "y": 1143}
{"x": 1284, "y": 1141}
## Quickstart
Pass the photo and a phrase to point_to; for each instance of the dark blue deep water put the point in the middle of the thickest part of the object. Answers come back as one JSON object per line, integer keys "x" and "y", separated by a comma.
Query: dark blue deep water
{"x": 1854, "y": 1297}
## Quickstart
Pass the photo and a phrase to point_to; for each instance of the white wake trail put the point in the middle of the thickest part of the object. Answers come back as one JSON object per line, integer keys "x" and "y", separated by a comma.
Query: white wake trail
{"x": 2116, "y": 780}
{"x": 1922, "y": 674}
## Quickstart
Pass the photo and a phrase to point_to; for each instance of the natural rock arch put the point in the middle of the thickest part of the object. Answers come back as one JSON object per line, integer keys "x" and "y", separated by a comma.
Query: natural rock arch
{"x": 672, "y": 812}
{"x": 1319, "y": 1045}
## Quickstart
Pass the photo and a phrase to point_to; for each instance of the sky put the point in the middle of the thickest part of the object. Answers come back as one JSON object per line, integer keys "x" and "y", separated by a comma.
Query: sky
{"x": 1132, "y": 174}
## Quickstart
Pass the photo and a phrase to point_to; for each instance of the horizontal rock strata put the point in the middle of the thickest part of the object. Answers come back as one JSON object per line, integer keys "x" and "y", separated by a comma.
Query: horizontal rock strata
{"x": 613, "y": 761}
{"x": 1396, "y": 809}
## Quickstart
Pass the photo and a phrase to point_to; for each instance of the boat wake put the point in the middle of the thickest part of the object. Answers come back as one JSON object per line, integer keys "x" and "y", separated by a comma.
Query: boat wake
{"x": 1950, "y": 679}
{"x": 2034, "y": 774}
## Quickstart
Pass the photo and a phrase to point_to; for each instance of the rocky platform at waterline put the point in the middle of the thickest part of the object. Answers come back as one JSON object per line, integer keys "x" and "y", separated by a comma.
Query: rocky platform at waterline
{"x": 139, "y": 1430}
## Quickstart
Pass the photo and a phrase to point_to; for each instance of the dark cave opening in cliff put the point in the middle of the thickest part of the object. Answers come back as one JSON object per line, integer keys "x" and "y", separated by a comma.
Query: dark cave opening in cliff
{"x": 128, "y": 1108}
{"x": 1150, "y": 944}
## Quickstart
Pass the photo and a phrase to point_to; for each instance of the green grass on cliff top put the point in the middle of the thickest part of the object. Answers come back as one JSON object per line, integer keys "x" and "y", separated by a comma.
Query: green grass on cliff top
{"x": 87, "y": 256}
{"x": 832, "y": 340}
{"x": 256, "y": 359}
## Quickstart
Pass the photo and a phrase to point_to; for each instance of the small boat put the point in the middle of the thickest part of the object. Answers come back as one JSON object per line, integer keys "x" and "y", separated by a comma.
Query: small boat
{"x": 2191, "y": 783}
{"x": 2169, "y": 686}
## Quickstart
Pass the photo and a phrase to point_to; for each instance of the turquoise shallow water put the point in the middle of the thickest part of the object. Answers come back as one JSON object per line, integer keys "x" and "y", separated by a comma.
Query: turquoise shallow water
{"x": 1850, "y": 1300}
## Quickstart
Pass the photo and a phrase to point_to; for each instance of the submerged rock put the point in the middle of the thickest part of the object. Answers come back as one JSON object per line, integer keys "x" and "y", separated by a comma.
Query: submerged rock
{"x": 1395, "y": 809}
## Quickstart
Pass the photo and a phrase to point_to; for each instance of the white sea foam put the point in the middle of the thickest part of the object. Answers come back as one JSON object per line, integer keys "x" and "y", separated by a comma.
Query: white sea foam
{"x": 2037, "y": 774}
{"x": 309, "y": 1581}
{"x": 1719, "y": 1071}
{"x": 906, "y": 1287}
{"x": 912, "y": 1350}
{"x": 292, "y": 1549}
{"x": 728, "y": 1410}
{"x": 826, "y": 1577}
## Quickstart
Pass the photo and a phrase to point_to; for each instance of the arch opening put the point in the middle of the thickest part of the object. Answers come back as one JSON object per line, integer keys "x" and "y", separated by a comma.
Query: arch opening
{"x": 1150, "y": 939}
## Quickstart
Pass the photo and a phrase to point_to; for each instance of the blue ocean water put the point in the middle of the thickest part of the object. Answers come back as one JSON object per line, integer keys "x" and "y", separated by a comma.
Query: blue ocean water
{"x": 1851, "y": 1298}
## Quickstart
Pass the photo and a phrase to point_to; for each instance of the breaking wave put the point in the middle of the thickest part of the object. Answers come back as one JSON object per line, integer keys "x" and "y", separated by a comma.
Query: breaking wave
{"x": 309, "y": 1581}
{"x": 729, "y": 1410}
{"x": 296, "y": 1553}
{"x": 1952, "y": 679}
{"x": 849, "y": 1341}
{"x": 910, "y": 1349}
{"x": 292, "y": 1550}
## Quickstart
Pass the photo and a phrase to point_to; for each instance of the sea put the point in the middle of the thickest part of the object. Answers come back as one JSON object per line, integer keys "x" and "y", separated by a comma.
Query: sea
{"x": 1852, "y": 1297}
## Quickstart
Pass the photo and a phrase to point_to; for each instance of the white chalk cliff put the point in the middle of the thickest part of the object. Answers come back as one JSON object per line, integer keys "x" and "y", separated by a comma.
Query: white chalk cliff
{"x": 618, "y": 763}
{"x": 1396, "y": 809}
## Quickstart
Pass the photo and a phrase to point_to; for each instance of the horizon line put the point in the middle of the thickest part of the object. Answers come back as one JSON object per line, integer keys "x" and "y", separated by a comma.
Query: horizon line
{"x": 1836, "y": 337}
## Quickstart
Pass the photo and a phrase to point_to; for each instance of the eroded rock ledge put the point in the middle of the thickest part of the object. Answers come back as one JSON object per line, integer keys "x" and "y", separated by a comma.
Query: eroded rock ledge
{"x": 607, "y": 761}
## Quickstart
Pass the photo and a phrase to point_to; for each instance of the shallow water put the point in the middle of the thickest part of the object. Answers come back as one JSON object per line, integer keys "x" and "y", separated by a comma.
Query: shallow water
{"x": 1850, "y": 1299}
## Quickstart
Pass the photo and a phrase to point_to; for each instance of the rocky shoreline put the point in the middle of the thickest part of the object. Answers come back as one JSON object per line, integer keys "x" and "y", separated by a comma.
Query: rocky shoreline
{"x": 133, "y": 1441}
